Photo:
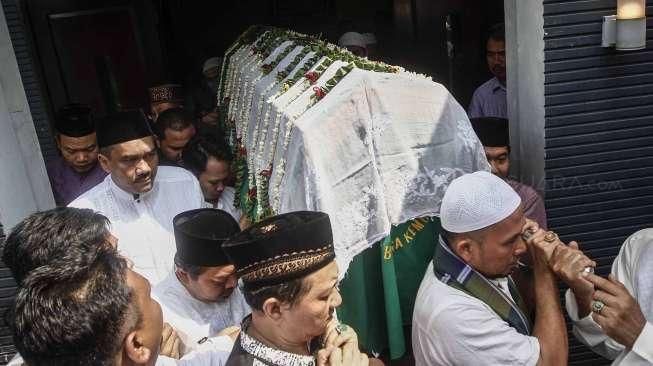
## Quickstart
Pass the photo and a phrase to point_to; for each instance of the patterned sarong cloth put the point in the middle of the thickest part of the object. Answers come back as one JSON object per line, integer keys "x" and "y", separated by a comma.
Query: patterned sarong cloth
{"x": 452, "y": 270}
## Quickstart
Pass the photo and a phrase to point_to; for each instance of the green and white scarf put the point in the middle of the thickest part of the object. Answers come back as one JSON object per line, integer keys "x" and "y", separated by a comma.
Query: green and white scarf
{"x": 453, "y": 271}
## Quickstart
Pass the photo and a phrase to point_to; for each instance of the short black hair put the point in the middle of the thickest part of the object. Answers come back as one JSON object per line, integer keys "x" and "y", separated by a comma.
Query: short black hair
{"x": 497, "y": 32}
{"x": 176, "y": 119}
{"x": 205, "y": 145}
{"x": 74, "y": 310}
{"x": 288, "y": 292}
{"x": 55, "y": 233}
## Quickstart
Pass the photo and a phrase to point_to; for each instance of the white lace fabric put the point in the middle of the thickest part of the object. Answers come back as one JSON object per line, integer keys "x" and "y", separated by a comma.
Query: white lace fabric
{"x": 378, "y": 150}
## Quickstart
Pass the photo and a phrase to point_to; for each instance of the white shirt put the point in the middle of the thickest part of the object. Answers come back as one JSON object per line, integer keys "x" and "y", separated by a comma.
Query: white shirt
{"x": 213, "y": 352}
{"x": 194, "y": 319}
{"x": 226, "y": 203}
{"x": 451, "y": 327}
{"x": 143, "y": 225}
{"x": 632, "y": 267}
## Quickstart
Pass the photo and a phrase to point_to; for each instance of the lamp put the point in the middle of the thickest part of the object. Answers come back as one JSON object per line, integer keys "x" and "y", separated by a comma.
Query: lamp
{"x": 627, "y": 30}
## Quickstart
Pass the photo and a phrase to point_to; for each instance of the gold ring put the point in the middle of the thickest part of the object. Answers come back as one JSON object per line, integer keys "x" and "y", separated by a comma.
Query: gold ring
{"x": 597, "y": 306}
{"x": 550, "y": 237}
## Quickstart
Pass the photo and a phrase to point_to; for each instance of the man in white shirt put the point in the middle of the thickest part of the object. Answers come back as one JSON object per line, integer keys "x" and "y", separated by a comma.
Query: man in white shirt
{"x": 209, "y": 158}
{"x": 139, "y": 198}
{"x": 467, "y": 310}
{"x": 613, "y": 316}
{"x": 202, "y": 297}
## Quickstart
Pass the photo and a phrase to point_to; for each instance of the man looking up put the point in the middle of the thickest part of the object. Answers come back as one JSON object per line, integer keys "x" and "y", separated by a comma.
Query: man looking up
{"x": 139, "y": 198}
{"x": 174, "y": 129}
{"x": 467, "y": 310}
{"x": 202, "y": 297}
{"x": 489, "y": 99}
{"x": 76, "y": 170}
{"x": 495, "y": 137}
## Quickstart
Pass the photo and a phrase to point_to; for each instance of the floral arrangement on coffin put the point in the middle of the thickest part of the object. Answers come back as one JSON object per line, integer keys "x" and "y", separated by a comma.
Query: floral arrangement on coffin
{"x": 261, "y": 42}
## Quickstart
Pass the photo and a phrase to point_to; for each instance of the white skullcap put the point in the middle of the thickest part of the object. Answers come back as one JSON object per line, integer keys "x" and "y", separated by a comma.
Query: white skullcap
{"x": 212, "y": 63}
{"x": 370, "y": 38}
{"x": 475, "y": 201}
{"x": 352, "y": 39}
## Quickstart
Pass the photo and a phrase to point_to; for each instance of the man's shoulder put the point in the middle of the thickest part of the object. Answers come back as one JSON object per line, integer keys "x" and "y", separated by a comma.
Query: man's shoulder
{"x": 229, "y": 193}
{"x": 438, "y": 302}
{"x": 486, "y": 87}
{"x": 522, "y": 188}
{"x": 89, "y": 198}
{"x": 171, "y": 174}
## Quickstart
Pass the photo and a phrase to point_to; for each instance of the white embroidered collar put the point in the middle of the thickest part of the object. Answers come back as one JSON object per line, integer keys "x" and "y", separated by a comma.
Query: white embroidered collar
{"x": 270, "y": 356}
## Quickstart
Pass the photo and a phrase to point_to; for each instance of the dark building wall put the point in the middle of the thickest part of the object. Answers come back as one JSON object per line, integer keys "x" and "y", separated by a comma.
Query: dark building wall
{"x": 29, "y": 74}
{"x": 599, "y": 135}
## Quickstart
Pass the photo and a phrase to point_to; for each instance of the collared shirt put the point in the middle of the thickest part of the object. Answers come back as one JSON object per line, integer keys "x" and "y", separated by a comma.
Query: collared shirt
{"x": 532, "y": 203}
{"x": 195, "y": 320}
{"x": 632, "y": 267}
{"x": 143, "y": 223}
{"x": 489, "y": 100}
{"x": 226, "y": 203}
{"x": 67, "y": 184}
{"x": 451, "y": 327}
{"x": 248, "y": 351}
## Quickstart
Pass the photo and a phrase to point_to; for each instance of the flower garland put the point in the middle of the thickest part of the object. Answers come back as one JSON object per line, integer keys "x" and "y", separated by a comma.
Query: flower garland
{"x": 242, "y": 71}
{"x": 309, "y": 78}
{"x": 242, "y": 117}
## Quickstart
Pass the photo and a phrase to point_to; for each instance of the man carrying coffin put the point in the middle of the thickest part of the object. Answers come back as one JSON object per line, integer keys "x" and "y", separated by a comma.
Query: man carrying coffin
{"x": 290, "y": 279}
{"x": 202, "y": 297}
{"x": 467, "y": 310}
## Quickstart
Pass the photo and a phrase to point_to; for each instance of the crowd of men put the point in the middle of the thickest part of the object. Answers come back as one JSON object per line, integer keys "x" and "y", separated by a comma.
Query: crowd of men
{"x": 148, "y": 262}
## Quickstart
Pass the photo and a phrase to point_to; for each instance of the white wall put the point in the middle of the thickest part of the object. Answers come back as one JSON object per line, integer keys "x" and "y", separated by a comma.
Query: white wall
{"x": 525, "y": 69}
{"x": 24, "y": 185}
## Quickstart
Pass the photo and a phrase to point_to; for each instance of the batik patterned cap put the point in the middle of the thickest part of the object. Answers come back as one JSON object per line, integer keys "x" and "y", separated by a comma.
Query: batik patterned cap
{"x": 167, "y": 93}
{"x": 282, "y": 248}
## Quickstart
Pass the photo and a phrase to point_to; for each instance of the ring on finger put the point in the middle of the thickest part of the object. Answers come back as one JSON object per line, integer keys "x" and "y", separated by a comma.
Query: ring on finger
{"x": 597, "y": 306}
{"x": 550, "y": 237}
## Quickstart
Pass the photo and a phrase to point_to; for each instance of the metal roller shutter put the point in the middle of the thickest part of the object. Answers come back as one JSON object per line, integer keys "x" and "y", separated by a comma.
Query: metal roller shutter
{"x": 599, "y": 135}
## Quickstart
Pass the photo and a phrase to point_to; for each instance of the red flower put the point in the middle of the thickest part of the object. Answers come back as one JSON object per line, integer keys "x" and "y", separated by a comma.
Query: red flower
{"x": 267, "y": 173}
{"x": 312, "y": 76}
{"x": 319, "y": 92}
{"x": 251, "y": 193}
